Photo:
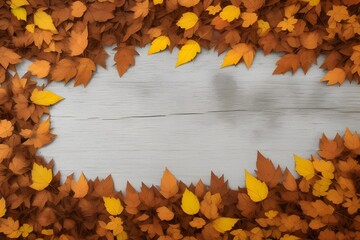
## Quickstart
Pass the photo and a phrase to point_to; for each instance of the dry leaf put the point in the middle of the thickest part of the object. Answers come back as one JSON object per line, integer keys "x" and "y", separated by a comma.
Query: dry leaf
{"x": 41, "y": 177}
{"x": 188, "y": 52}
{"x": 169, "y": 185}
{"x": 190, "y": 203}
{"x": 40, "y": 68}
{"x": 44, "y": 98}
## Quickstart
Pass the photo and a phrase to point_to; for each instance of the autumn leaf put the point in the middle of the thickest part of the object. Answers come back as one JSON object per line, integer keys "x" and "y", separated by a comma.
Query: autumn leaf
{"x": 190, "y": 203}
{"x": 224, "y": 224}
{"x": 158, "y": 2}
{"x": 249, "y": 19}
{"x": 286, "y": 63}
{"x": 78, "y": 8}
{"x": 116, "y": 225}
{"x": 25, "y": 230}
{"x": 44, "y": 97}
{"x": 289, "y": 181}
{"x": 84, "y": 72}
{"x": 6, "y": 128}
{"x": 169, "y": 185}
{"x": 164, "y": 213}
{"x": 197, "y": 222}
{"x": 230, "y": 13}
{"x": 78, "y": 42}
{"x": 188, "y": 52}
{"x": 44, "y": 20}
{"x": 113, "y": 205}
{"x": 351, "y": 141}
{"x": 187, "y": 20}
{"x": 287, "y": 24}
{"x": 141, "y": 9}
{"x": 20, "y": 13}
{"x": 188, "y": 3}
{"x": 335, "y": 196}
{"x": 212, "y": 10}
{"x": 8, "y": 56}
{"x": 304, "y": 167}
{"x": 263, "y": 27}
{"x": 159, "y": 44}
{"x": 253, "y": 5}
{"x": 2, "y": 207}
{"x": 64, "y": 70}
{"x": 238, "y": 52}
{"x": 10, "y": 227}
{"x": 81, "y": 187}
{"x": 334, "y": 76}
{"x": 40, "y": 68}
{"x": 5, "y": 150}
{"x": 256, "y": 189}
{"x": 125, "y": 58}
{"x": 326, "y": 168}
{"x": 40, "y": 176}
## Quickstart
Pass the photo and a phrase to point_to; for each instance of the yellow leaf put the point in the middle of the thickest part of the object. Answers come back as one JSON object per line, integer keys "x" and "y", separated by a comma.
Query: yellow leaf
{"x": 312, "y": 3}
{"x": 44, "y": 98}
{"x": 44, "y": 20}
{"x": 188, "y": 3}
{"x": 30, "y": 27}
{"x": 230, "y": 13}
{"x": 113, "y": 205}
{"x": 326, "y": 168}
{"x": 249, "y": 19}
{"x": 304, "y": 167}
{"x": 2, "y": 207}
{"x": 256, "y": 189}
{"x": 25, "y": 230}
{"x": 156, "y": 2}
{"x": 6, "y": 128}
{"x": 224, "y": 224}
{"x": 214, "y": 9}
{"x": 159, "y": 44}
{"x": 271, "y": 214}
{"x": 47, "y": 232}
{"x": 188, "y": 52}
{"x": 40, "y": 176}
{"x": 190, "y": 203}
{"x": 289, "y": 237}
{"x": 264, "y": 27}
{"x": 80, "y": 187}
{"x": 187, "y": 20}
{"x": 288, "y": 24}
{"x": 237, "y": 52}
{"x": 20, "y": 13}
{"x": 18, "y": 3}
{"x": 40, "y": 68}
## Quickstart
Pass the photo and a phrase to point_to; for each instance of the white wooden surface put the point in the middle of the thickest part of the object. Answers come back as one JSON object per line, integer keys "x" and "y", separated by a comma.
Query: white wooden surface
{"x": 194, "y": 119}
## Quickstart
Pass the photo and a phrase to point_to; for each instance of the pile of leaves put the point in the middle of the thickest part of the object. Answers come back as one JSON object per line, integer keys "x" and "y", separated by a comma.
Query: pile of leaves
{"x": 66, "y": 38}
{"x": 323, "y": 203}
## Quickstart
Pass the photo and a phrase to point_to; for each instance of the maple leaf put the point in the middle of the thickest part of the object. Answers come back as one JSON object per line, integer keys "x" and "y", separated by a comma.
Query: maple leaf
{"x": 8, "y": 56}
{"x": 334, "y": 76}
{"x": 286, "y": 63}
{"x": 256, "y": 189}
{"x": 78, "y": 8}
{"x": 44, "y": 20}
{"x": 44, "y": 98}
{"x": 266, "y": 171}
{"x": 325, "y": 167}
{"x": 40, "y": 176}
{"x": 124, "y": 58}
{"x": 224, "y": 224}
{"x": 187, "y": 20}
{"x": 230, "y": 13}
{"x": 352, "y": 141}
{"x": 25, "y": 230}
{"x": 84, "y": 71}
{"x": 338, "y": 13}
{"x": 164, "y": 213}
{"x": 169, "y": 185}
{"x": 113, "y": 205}
{"x": 190, "y": 203}
{"x": 101, "y": 11}
{"x": 159, "y": 44}
{"x": 209, "y": 205}
{"x": 78, "y": 42}
{"x": 2, "y": 207}
{"x": 141, "y": 9}
{"x": 39, "y": 136}
{"x": 40, "y": 68}
{"x": 238, "y": 52}
{"x": 188, "y": 52}
{"x": 116, "y": 225}
{"x": 64, "y": 70}
{"x": 249, "y": 19}
{"x": 81, "y": 187}
{"x": 212, "y": 10}
{"x": 6, "y": 128}
{"x": 287, "y": 24}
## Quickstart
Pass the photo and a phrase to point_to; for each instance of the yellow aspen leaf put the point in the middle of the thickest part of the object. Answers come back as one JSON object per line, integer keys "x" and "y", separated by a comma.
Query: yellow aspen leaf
{"x": 18, "y": 3}
{"x": 30, "y": 28}
{"x": 78, "y": 42}
{"x": 188, "y": 3}
{"x": 188, "y": 52}
{"x": 2, "y": 207}
{"x": 113, "y": 205}
{"x": 287, "y": 24}
{"x": 157, "y": 2}
{"x": 289, "y": 237}
{"x": 6, "y": 128}
{"x": 159, "y": 44}
{"x": 44, "y": 98}
{"x": 40, "y": 176}
{"x": 312, "y": 3}
{"x": 212, "y": 10}
{"x": 25, "y": 230}
{"x": 224, "y": 224}
{"x": 20, "y": 13}
{"x": 187, "y": 20}
{"x": 352, "y": 141}
{"x": 40, "y": 68}
{"x": 169, "y": 185}
{"x": 237, "y": 52}
{"x": 44, "y": 20}
{"x": 78, "y": 9}
{"x": 304, "y": 167}
{"x": 249, "y": 19}
{"x": 334, "y": 76}
{"x": 230, "y": 13}
{"x": 190, "y": 203}
{"x": 81, "y": 187}
{"x": 47, "y": 232}
{"x": 164, "y": 213}
{"x": 197, "y": 222}
{"x": 5, "y": 151}
{"x": 256, "y": 189}
{"x": 263, "y": 27}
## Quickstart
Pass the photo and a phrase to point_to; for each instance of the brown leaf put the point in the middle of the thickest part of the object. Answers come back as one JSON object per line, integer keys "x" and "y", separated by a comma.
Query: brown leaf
{"x": 169, "y": 185}
{"x": 286, "y": 63}
{"x": 124, "y": 58}
{"x": 84, "y": 71}
{"x": 8, "y": 56}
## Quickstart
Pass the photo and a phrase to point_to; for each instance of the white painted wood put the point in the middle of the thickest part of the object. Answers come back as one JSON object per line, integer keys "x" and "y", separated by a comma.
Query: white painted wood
{"x": 194, "y": 119}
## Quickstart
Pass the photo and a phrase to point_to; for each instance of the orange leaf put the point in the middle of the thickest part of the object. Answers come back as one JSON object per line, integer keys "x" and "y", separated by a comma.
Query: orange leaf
{"x": 131, "y": 200}
{"x": 84, "y": 71}
{"x": 352, "y": 141}
{"x": 8, "y": 56}
{"x": 335, "y": 196}
{"x": 78, "y": 8}
{"x": 141, "y": 9}
{"x": 188, "y": 3}
{"x": 286, "y": 63}
{"x": 337, "y": 75}
{"x": 169, "y": 185}
{"x": 6, "y": 128}
{"x": 289, "y": 181}
{"x": 164, "y": 213}
{"x": 124, "y": 58}
{"x": 253, "y": 5}
{"x": 78, "y": 41}
{"x": 40, "y": 68}
{"x": 81, "y": 187}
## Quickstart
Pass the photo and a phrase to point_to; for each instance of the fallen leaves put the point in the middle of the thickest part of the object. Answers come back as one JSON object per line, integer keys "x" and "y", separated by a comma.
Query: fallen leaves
{"x": 187, "y": 20}
{"x": 188, "y": 52}
{"x": 44, "y": 97}
{"x": 41, "y": 177}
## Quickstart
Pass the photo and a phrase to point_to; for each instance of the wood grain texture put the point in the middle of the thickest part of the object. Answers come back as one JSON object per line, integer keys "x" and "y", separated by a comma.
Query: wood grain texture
{"x": 194, "y": 119}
